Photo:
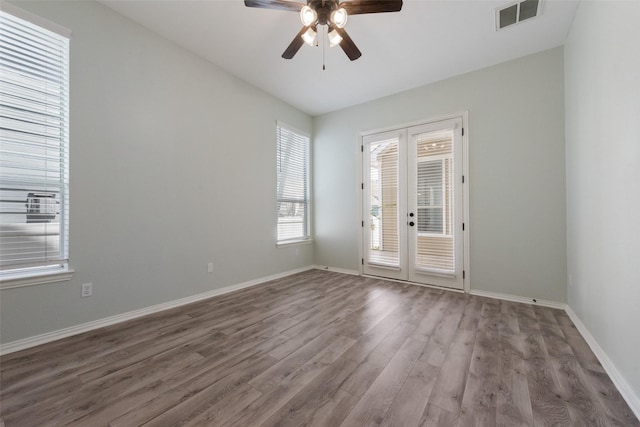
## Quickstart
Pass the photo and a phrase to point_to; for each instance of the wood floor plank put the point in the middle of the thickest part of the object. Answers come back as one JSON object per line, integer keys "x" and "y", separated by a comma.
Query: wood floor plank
{"x": 191, "y": 398}
{"x": 372, "y": 338}
{"x": 581, "y": 349}
{"x": 66, "y": 408}
{"x": 472, "y": 313}
{"x": 333, "y": 411}
{"x": 449, "y": 387}
{"x": 103, "y": 413}
{"x": 319, "y": 348}
{"x": 584, "y": 406}
{"x": 444, "y": 317}
{"x": 291, "y": 382}
{"x": 376, "y": 401}
{"x": 513, "y": 403}
{"x": 411, "y": 401}
{"x": 435, "y": 416}
{"x": 73, "y": 357}
{"x": 324, "y": 346}
{"x": 225, "y": 408}
{"x": 199, "y": 396}
{"x": 618, "y": 411}
{"x": 318, "y": 394}
{"x": 548, "y": 405}
{"x": 368, "y": 370}
{"x": 479, "y": 402}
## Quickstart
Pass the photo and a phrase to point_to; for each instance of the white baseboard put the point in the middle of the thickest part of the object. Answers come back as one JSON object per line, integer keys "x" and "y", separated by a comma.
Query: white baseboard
{"x": 25, "y": 343}
{"x": 515, "y": 298}
{"x": 337, "y": 270}
{"x": 625, "y": 389}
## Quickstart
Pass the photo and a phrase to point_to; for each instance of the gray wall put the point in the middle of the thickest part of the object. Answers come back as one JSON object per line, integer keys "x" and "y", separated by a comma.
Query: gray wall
{"x": 603, "y": 176}
{"x": 517, "y": 168}
{"x": 171, "y": 168}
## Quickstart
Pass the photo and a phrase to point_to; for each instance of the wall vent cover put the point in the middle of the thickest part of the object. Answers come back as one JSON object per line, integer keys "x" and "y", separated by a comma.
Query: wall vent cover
{"x": 517, "y": 12}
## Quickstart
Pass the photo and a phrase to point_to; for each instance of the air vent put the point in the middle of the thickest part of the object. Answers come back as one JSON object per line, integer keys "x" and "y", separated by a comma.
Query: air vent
{"x": 517, "y": 12}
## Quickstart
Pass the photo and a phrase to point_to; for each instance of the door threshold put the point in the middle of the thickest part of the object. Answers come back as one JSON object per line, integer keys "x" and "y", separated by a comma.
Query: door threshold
{"x": 424, "y": 285}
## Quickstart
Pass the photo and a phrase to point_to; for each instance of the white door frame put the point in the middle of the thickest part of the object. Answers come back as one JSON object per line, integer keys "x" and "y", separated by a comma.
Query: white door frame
{"x": 464, "y": 115}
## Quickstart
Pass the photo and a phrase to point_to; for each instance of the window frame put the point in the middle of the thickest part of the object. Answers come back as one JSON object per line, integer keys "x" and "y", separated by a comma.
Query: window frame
{"x": 20, "y": 276}
{"x": 307, "y": 238}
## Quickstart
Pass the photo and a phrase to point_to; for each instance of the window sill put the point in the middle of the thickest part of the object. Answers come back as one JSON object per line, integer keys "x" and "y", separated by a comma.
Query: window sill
{"x": 294, "y": 243}
{"x": 35, "y": 279}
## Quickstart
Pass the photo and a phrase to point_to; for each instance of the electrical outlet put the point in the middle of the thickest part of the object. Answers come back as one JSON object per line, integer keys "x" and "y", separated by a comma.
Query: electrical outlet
{"x": 210, "y": 267}
{"x": 87, "y": 290}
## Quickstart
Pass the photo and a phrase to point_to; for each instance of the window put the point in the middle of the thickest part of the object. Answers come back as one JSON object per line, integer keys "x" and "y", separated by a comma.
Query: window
{"x": 34, "y": 148}
{"x": 433, "y": 196}
{"x": 292, "y": 162}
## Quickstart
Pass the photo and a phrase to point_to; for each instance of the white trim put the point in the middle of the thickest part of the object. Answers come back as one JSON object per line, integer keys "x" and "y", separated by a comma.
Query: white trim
{"x": 29, "y": 342}
{"x": 625, "y": 389}
{"x": 293, "y": 129}
{"x": 429, "y": 121}
{"x": 336, "y": 270}
{"x": 35, "y": 19}
{"x": 308, "y": 184}
{"x": 464, "y": 114}
{"x": 466, "y": 257}
{"x": 384, "y": 266}
{"x": 36, "y": 279}
{"x": 298, "y": 242}
{"x": 424, "y": 285}
{"x": 519, "y": 299}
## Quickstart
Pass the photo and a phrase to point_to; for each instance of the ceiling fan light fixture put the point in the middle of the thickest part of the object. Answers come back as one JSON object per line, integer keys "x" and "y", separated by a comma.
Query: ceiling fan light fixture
{"x": 332, "y": 14}
{"x": 308, "y": 16}
{"x": 334, "y": 38}
{"x": 339, "y": 17}
{"x": 309, "y": 36}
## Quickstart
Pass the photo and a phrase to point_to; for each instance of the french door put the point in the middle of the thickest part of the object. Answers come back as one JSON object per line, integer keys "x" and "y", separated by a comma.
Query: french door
{"x": 413, "y": 204}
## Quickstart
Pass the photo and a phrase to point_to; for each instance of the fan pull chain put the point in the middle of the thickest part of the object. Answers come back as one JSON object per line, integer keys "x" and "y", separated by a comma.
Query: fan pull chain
{"x": 324, "y": 42}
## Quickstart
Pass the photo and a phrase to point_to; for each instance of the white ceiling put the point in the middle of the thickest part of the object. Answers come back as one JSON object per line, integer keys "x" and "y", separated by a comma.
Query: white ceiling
{"x": 427, "y": 41}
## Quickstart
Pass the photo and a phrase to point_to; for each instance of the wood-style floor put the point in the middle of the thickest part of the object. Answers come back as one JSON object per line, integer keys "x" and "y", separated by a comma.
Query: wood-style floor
{"x": 320, "y": 348}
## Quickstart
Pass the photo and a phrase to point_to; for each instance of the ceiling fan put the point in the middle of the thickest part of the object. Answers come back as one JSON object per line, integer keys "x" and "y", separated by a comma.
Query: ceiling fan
{"x": 333, "y": 13}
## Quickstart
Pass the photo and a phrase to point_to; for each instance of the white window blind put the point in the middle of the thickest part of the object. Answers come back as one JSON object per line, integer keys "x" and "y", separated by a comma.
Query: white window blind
{"x": 292, "y": 184}
{"x": 34, "y": 147}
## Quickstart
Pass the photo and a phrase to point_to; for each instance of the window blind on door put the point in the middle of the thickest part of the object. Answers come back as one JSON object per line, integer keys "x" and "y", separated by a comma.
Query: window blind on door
{"x": 34, "y": 139}
{"x": 435, "y": 195}
{"x": 292, "y": 184}
{"x": 384, "y": 178}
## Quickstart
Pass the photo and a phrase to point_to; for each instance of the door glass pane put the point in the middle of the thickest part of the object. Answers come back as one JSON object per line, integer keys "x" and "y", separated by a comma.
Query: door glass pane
{"x": 383, "y": 202}
{"x": 434, "y": 210}
{"x": 430, "y": 196}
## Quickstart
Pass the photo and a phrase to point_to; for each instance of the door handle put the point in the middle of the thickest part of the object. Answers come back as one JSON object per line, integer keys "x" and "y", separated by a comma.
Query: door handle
{"x": 411, "y": 214}
{"x": 411, "y": 224}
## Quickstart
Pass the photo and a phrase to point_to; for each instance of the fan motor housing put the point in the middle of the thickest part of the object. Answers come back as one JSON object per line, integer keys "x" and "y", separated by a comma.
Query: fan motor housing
{"x": 323, "y": 8}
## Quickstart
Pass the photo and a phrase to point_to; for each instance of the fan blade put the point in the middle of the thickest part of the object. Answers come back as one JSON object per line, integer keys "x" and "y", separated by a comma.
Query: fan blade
{"x": 348, "y": 45}
{"x": 294, "y": 6}
{"x": 295, "y": 45}
{"x": 358, "y": 7}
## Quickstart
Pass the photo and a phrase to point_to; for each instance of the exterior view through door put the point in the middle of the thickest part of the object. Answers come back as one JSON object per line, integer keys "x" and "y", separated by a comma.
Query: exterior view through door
{"x": 413, "y": 203}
